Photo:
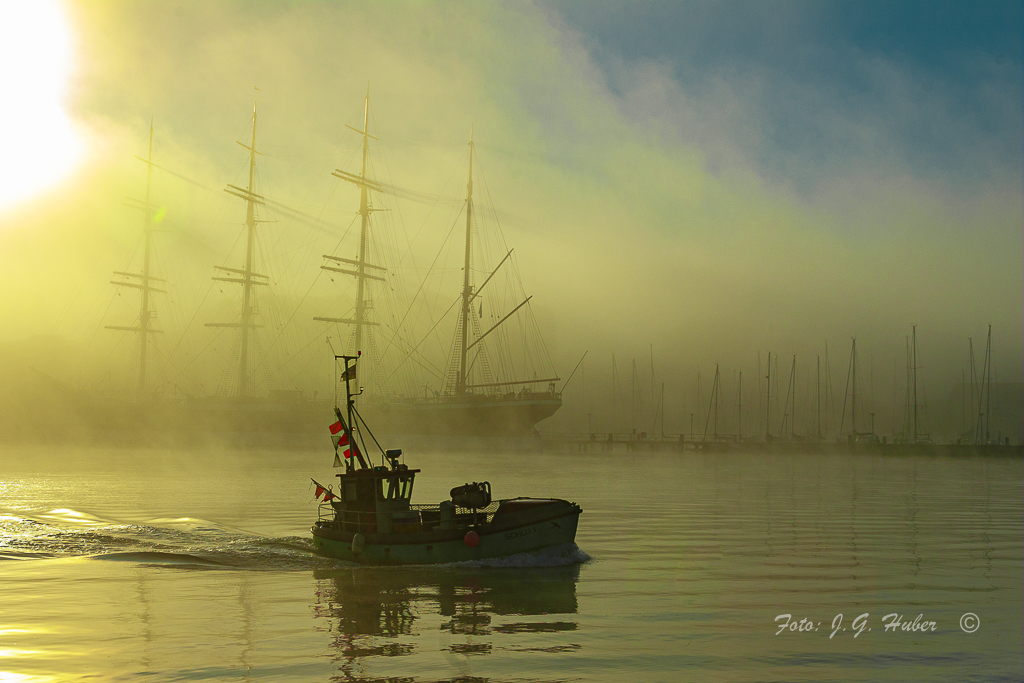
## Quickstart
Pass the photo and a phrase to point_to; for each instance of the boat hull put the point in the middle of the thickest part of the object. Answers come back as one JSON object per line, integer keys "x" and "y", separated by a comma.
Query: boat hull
{"x": 552, "y": 528}
{"x": 468, "y": 416}
{"x": 295, "y": 419}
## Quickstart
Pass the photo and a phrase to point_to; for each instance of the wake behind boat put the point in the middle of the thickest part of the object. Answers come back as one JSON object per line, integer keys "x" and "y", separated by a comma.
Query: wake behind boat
{"x": 371, "y": 518}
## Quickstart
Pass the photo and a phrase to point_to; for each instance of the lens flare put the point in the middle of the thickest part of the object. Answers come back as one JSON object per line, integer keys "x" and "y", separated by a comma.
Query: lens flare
{"x": 38, "y": 142}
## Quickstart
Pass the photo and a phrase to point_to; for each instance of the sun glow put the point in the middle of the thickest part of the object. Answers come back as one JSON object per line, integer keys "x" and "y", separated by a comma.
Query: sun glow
{"x": 38, "y": 142}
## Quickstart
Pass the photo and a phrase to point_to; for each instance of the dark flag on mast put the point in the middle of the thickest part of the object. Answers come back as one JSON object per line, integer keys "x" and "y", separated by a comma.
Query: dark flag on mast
{"x": 349, "y": 373}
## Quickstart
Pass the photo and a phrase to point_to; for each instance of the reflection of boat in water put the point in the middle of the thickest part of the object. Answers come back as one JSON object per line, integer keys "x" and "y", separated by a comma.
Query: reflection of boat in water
{"x": 378, "y": 613}
{"x": 371, "y": 518}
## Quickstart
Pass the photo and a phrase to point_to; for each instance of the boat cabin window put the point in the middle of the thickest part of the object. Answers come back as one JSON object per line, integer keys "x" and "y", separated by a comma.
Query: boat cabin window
{"x": 399, "y": 488}
{"x": 361, "y": 491}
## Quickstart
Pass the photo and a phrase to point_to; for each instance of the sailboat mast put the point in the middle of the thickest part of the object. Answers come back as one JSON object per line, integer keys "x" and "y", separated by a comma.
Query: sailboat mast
{"x": 460, "y": 385}
{"x": 987, "y": 376}
{"x": 145, "y": 278}
{"x": 817, "y": 396}
{"x": 716, "y": 401}
{"x": 364, "y": 213}
{"x": 768, "y": 407}
{"x": 739, "y": 408}
{"x": 913, "y": 360}
{"x": 853, "y": 394}
{"x": 247, "y": 276}
{"x": 792, "y": 427}
{"x": 147, "y": 230}
{"x": 364, "y": 270}
{"x": 974, "y": 431}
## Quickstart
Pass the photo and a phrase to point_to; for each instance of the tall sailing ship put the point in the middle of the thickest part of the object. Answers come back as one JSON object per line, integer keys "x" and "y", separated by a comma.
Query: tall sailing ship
{"x": 477, "y": 397}
{"x": 474, "y": 400}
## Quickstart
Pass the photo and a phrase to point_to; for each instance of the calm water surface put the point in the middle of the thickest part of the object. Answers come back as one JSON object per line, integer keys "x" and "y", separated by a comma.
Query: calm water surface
{"x": 164, "y": 565}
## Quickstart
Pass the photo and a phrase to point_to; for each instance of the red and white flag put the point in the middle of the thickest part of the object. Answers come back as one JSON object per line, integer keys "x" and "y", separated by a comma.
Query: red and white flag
{"x": 338, "y": 435}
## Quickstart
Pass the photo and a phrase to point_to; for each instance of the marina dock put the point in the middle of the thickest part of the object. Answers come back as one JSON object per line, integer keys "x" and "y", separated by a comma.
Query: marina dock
{"x": 684, "y": 443}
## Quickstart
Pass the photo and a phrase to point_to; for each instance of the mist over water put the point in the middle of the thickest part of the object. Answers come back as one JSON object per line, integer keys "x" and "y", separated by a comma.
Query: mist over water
{"x": 646, "y": 206}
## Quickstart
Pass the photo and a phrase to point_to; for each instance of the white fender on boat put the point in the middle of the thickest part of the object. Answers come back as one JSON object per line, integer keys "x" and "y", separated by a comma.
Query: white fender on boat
{"x": 358, "y": 543}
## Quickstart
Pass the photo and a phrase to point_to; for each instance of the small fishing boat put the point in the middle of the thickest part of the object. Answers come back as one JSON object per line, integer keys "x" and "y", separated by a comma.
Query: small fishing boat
{"x": 370, "y": 518}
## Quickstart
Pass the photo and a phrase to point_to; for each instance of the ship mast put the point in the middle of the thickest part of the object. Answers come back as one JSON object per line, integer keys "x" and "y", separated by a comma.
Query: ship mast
{"x": 146, "y": 314}
{"x": 361, "y": 265}
{"x": 147, "y": 231}
{"x": 460, "y": 384}
{"x": 768, "y": 408}
{"x": 246, "y": 276}
{"x": 462, "y": 343}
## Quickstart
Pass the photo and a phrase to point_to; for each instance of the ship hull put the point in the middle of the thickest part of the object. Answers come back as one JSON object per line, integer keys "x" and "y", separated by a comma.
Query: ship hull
{"x": 463, "y": 417}
{"x": 544, "y": 529}
{"x": 259, "y": 421}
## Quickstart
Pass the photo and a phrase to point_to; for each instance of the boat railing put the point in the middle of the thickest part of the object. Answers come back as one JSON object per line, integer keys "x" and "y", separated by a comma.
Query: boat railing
{"x": 416, "y": 518}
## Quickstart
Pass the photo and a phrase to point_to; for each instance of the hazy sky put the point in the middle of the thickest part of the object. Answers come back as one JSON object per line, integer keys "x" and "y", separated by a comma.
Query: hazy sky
{"x": 713, "y": 178}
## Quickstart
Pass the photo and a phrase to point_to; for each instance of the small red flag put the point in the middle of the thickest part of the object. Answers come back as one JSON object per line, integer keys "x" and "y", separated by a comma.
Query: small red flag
{"x": 348, "y": 452}
{"x": 319, "y": 491}
{"x": 336, "y": 427}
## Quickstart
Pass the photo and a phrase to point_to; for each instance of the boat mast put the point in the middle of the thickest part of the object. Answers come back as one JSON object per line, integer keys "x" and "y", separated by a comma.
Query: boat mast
{"x": 247, "y": 303}
{"x": 146, "y": 314}
{"x": 913, "y": 361}
{"x": 460, "y": 384}
{"x": 739, "y": 408}
{"x": 768, "y": 407}
{"x": 792, "y": 374}
{"x": 817, "y": 395}
{"x": 986, "y": 378}
{"x": 364, "y": 213}
{"x": 364, "y": 184}
{"x": 717, "y": 379}
{"x": 246, "y": 276}
{"x": 853, "y": 393}
{"x": 974, "y": 431}
{"x": 147, "y": 231}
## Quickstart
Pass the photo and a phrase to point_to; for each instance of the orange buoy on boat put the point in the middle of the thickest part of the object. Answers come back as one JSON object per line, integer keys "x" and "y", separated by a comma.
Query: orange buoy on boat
{"x": 472, "y": 539}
